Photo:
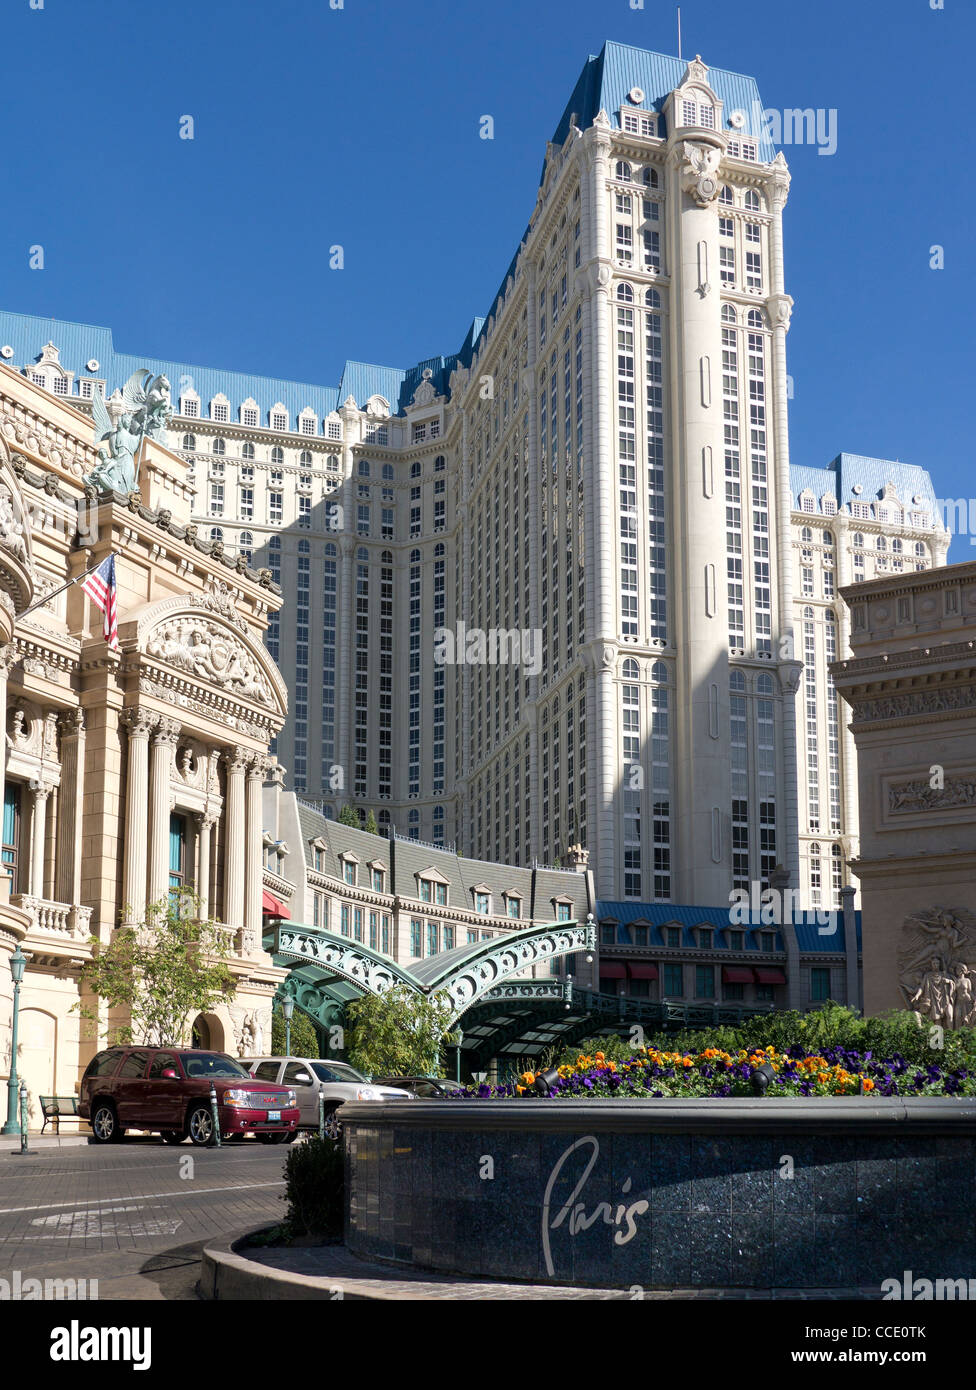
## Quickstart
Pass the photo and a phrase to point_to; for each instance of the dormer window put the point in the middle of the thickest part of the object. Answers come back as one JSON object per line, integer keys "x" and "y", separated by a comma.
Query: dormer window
{"x": 334, "y": 428}
{"x": 350, "y": 869}
{"x": 378, "y": 877}
{"x": 482, "y": 903}
{"x": 564, "y": 909}
{"x": 673, "y": 935}
{"x": 279, "y": 417}
{"x": 513, "y": 905}
{"x": 705, "y": 935}
{"x": 308, "y": 421}
{"x": 220, "y": 410}
{"x": 190, "y": 405}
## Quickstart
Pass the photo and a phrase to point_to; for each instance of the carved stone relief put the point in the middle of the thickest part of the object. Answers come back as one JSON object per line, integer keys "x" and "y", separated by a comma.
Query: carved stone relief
{"x": 937, "y": 966}
{"x": 210, "y": 654}
{"x": 906, "y": 797}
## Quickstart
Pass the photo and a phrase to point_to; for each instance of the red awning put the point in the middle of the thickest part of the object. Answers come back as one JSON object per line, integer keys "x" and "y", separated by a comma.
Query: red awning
{"x": 770, "y": 977}
{"x": 642, "y": 972}
{"x": 272, "y": 907}
{"x": 611, "y": 970}
{"x": 737, "y": 975}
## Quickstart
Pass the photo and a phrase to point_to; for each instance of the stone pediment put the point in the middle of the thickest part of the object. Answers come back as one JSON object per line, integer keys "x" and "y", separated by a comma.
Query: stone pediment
{"x": 201, "y": 636}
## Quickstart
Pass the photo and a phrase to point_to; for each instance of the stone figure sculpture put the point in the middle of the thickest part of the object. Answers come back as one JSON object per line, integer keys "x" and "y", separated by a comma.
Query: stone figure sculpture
{"x": 936, "y": 966}
{"x": 143, "y": 410}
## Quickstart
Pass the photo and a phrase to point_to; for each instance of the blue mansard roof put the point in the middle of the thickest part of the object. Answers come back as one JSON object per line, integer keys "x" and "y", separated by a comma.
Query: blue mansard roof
{"x": 849, "y": 471}
{"x": 659, "y": 915}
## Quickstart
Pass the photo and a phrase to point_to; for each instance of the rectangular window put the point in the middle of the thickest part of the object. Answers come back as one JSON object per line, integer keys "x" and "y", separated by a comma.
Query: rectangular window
{"x": 11, "y": 834}
{"x": 704, "y": 982}
{"x": 674, "y": 982}
{"x": 819, "y": 984}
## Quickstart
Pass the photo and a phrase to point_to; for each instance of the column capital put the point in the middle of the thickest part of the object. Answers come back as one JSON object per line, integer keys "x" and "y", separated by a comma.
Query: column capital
{"x": 71, "y": 723}
{"x": 166, "y": 731}
{"x": 139, "y": 721}
{"x": 41, "y": 788}
{"x": 237, "y": 759}
{"x": 206, "y": 820}
{"x": 780, "y": 308}
{"x": 9, "y": 656}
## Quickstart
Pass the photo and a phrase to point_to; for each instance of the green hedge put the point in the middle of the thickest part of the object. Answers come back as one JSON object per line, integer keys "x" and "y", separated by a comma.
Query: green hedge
{"x": 314, "y": 1183}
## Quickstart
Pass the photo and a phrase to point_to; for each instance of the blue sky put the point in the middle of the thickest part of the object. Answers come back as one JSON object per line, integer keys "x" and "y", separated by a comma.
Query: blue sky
{"x": 360, "y": 126}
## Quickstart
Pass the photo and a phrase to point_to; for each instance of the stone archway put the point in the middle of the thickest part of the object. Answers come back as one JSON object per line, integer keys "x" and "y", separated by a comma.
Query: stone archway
{"x": 208, "y": 1032}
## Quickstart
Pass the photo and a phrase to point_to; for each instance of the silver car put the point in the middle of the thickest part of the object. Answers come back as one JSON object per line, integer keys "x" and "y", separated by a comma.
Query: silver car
{"x": 334, "y": 1081}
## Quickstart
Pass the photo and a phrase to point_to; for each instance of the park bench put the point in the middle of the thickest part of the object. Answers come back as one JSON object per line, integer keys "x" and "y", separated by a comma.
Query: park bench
{"x": 58, "y": 1108}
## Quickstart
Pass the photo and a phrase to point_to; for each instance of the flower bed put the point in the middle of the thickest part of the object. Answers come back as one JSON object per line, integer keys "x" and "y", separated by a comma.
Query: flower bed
{"x": 650, "y": 1074}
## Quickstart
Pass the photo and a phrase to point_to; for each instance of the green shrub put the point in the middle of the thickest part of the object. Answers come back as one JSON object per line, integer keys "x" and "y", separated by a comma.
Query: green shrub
{"x": 314, "y": 1187}
{"x": 304, "y": 1038}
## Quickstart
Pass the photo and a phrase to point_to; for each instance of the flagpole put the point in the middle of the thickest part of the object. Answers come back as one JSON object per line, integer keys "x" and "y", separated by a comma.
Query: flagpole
{"x": 61, "y": 588}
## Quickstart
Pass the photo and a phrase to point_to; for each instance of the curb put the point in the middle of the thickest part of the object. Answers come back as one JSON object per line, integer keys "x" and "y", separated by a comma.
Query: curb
{"x": 226, "y": 1276}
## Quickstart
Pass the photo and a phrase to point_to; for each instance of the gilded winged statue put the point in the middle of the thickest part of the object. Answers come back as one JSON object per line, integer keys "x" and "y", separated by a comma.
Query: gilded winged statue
{"x": 142, "y": 410}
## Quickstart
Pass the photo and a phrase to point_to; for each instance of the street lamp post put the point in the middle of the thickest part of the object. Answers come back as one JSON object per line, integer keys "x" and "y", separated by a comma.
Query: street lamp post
{"x": 287, "y": 1009}
{"x": 17, "y": 962}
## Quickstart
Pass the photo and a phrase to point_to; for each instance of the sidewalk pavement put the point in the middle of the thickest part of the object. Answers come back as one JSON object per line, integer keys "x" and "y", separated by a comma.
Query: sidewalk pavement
{"x": 42, "y": 1143}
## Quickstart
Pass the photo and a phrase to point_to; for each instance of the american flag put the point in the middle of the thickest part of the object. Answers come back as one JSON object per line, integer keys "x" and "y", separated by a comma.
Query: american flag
{"x": 101, "y": 588}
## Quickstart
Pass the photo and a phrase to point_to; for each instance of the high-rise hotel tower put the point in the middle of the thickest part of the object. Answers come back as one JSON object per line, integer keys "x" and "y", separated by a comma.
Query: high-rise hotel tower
{"x": 602, "y": 470}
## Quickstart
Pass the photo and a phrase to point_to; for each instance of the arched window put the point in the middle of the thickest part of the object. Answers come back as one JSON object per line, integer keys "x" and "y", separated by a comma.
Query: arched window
{"x": 363, "y": 469}
{"x": 415, "y": 470}
{"x": 274, "y": 543}
{"x": 631, "y": 670}
{"x": 304, "y": 548}
{"x": 921, "y": 549}
{"x": 625, "y": 293}
{"x": 305, "y": 458}
{"x": 858, "y": 540}
{"x": 623, "y": 171}
{"x": 737, "y": 681}
{"x": 757, "y": 319}
{"x": 219, "y": 447}
{"x": 828, "y": 537}
{"x": 216, "y": 534}
{"x": 728, "y": 313}
{"x": 247, "y": 450}
{"x": 881, "y": 543}
{"x": 753, "y": 200}
{"x": 415, "y": 557}
{"x": 898, "y": 545}
{"x": 808, "y": 612}
{"x": 806, "y": 535}
{"x": 330, "y": 549}
{"x": 277, "y": 454}
{"x": 726, "y": 196}
{"x": 362, "y": 554}
{"x": 386, "y": 558}
{"x": 438, "y": 550}
{"x": 388, "y": 473}
{"x": 764, "y": 685}
{"x": 650, "y": 177}
{"x": 189, "y": 442}
{"x": 652, "y": 299}
{"x": 246, "y": 544}
{"x": 440, "y": 463}
{"x": 659, "y": 674}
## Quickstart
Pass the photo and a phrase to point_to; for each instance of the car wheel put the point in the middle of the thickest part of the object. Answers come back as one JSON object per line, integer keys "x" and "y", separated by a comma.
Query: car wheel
{"x": 291, "y": 1136}
{"x": 105, "y": 1124}
{"x": 173, "y": 1136}
{"x": 200, "y": 1126}
{"x": 333, "y": 1126}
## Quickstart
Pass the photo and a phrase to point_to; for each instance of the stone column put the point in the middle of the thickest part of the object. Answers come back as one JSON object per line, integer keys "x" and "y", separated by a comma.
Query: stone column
{"x": 253, "y": 851}
{"x": 236, "y": 761}
{"x": 699, "y": 626}
{"x": 163, "y": 743}
{"x": 205, "y": 822}
{"x": 7, "y": 657}
{"x": 779, "y": 307}
{"x": 67, "y": 869}
{"x": 42, "y": 791}
{"x": 140, "y": 723}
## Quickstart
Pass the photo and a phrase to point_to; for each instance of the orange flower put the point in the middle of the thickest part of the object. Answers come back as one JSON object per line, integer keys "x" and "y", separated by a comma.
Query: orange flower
{"x": 867, "y": 1083}
{"x": 600, "y": 1056}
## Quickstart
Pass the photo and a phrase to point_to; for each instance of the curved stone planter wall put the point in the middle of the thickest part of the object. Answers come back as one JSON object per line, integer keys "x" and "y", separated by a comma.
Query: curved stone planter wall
{"x": 667, "y": 1193}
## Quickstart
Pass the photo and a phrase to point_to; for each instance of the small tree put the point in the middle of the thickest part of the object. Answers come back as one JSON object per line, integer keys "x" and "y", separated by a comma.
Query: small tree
{"x": 304, "y": 1038}
{"x": 162, "y": 972}
{"x": 347, "y": 816}
{"x": 399, "y": 1033}
{"x": 371, "y": 827}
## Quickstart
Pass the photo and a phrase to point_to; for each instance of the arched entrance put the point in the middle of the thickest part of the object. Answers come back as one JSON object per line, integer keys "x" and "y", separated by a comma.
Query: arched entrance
{"x": 208, "y": 1032}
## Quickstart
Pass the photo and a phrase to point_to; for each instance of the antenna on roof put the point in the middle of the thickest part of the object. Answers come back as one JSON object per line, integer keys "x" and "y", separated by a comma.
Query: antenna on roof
{"x": 679, "y": 31}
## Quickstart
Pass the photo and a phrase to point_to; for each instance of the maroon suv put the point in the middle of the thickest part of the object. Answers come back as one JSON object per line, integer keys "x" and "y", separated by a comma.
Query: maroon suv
{"x": 168, "y": 1090}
